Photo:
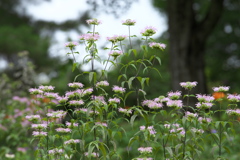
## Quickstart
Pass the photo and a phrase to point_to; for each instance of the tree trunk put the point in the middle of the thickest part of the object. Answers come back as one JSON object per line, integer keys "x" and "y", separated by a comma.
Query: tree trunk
{"x": 187, "y": 41}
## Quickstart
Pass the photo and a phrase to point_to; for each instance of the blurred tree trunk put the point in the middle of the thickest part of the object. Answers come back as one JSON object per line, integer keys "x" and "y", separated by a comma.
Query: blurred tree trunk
{"x": 187, "y": 41}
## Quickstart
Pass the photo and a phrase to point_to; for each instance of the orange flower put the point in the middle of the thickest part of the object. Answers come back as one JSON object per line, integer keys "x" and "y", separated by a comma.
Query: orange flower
{"x": 218, "y": 95}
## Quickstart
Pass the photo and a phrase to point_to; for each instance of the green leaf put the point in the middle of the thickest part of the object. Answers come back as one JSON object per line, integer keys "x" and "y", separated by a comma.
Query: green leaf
{"x": 74, "y": 66}
{"x": 227, "y": 149}
{"x": 130, "y": 82}
{"x": 169, "y": 149}
{"x": 132, "y": 119}
{"x": 92, "y": 77}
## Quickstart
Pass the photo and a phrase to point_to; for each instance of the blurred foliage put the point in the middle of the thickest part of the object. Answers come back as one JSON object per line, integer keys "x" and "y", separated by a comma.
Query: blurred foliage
{"x": 222, "y": 50}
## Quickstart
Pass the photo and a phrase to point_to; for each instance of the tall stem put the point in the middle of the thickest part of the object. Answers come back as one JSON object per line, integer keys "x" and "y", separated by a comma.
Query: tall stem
{"x": 129, "y": 36}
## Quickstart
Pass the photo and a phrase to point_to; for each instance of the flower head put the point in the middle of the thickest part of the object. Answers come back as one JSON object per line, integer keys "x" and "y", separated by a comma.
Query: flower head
{"x": 233, "y": 98}
{"x": 93, "y": 21}
{"x": 188, "y": 85}
{"x": 148, "y": 31}
{"x": 129, "y": 22}
{"x": 221, "y": 89}
{"x": 71, "y": 45}
{"x": 177, "y": 104}
{"x": 72, "y": 141}
{"x": 204, "y": 105}
{"x": 157, "y": 45}
{"x": 115, "y": 53}
{"x": 102, "y": 84}
{"x": 174, "y": 95}
{"x": 204, "y": 98}
{"x": 89, "y": 37}
{"x": 75, "y": 85}
{"x": 145, "y": 150}
{"x": 118, "y": 89}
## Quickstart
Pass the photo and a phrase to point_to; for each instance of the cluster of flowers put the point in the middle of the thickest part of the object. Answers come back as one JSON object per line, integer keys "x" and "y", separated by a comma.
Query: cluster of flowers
{"x": 175, "y": 129}
{"x": 145, "y": 150}
{"x": 149, "y": 129}
{"x": 92, "y": 37}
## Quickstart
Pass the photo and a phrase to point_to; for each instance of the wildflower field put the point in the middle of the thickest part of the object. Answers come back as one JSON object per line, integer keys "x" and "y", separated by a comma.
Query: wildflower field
{"x": 93, "y": 120}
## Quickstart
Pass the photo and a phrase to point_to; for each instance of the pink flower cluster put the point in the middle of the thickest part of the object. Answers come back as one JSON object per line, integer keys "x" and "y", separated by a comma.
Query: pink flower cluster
{"x": 234, "y": 98}
{"x": 145, "y": 150}
{"x": 118, "y": 89}
{"x": 129, "y": 22}
{"x": 148, "y": 31}
{"x": 55, "y": 151}
{"x": 89, "y": 37}
{"x": 125, "y": 111}
{"x": 150, "y": 129}
{"x": 221, "y": 89}
{"x": 157, "y": 45}
{"x": 75, "y": 85}
{"x": 188, "y": 85}
{"x": 114, "y": 100}
{"x": 102, "y": 84}
{"x": 116, "y": 38}
{"x": 93, "y": 21}
{"x": 72, "y": 141}
{"x": 152, "y": 104}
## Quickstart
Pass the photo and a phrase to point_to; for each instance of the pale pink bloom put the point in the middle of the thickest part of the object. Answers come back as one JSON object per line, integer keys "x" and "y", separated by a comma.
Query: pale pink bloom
{"x": 102, "y": 84}
{"x": 71, "y": 44}
{"x": 72, "y": 141}
{"x": 62, "y": 99}
{"x": 233, "y": 112}
{"x": 101, "y": 124}
{"x": 55, "y": 151}
{"x": 233, "y": 98}
{"x": 57, "y": 114}
{"x": 190, "y": 115}
{"x": 93, "y": 154}
{"x": 204, "y": 98}
{"x": 39, "y": 134}
{"x": 115, "y": 53}
{"x": 174, "y": 95}
{"x": 21, "y": 149}
{"x": 46, "y": 88}
{"x": 157, "y": 45}
{"x": 221, "y": 89}
{"x": 177, "y": 104}
{"x": 197, "y": 131}
{"x": 99, "y": 99}
{"x": 114, "y": 100}
{"x": 63, "y": 130}
{"x": 51, "y": 95}
{"x": 145, "y": 150}
{"x": 142, "y": 128}
{"x": 89, "y": 37}
{"x": 113, "y": 39}
{"x": 152, "y": 104}
{"x": 204, "y": 105}
{"x": 148, "y": 31}
{"x": 188, "y": 85}
{"x": 39, "y": 126}
{"x": 118, "y": 89}
{"x": 204, "y": 120}
{"x": 71, "y": 124}
{"x": 75, "y": 85}
{"x": 76, "y": 102}
{"x": 35, "y": 91}
{"x": 94, "y": 21}
{"x": 85, "y": 111}
{"x": 129, "y": 22}
{"x": 125, "y": 111}
{"x": 33, "y": 117}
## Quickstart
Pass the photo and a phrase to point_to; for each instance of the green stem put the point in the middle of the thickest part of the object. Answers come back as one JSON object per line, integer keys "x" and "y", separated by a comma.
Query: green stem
{"x": 129, "y": 36}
